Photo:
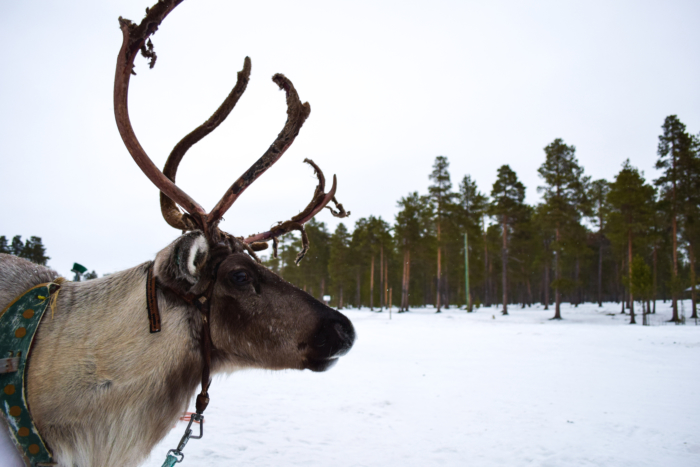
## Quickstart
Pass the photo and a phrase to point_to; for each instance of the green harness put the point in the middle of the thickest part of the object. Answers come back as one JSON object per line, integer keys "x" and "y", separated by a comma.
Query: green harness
{"x": 18, "y": 324}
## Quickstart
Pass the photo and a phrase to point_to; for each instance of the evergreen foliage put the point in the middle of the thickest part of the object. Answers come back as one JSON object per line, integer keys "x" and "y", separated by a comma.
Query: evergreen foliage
{"x": 565, "y": 203}
{"x": 585, "y": 241}
{"x": 631, "y": 202}
{"x": 507, "y": 206}
{"x": 33, "y": 249}
{"x": 90, "y": 275}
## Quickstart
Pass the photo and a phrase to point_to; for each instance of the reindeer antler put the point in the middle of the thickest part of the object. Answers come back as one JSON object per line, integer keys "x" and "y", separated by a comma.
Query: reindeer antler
{"x": 134, "y": 40}
{"x": 195, "y": 217}
{"x": 171, "y": 213}
{"x": 318, "y": 202}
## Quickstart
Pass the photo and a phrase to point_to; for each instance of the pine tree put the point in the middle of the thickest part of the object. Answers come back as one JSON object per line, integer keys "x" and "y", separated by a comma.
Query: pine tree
{"x": 598, "y": 193}
{"x": 631, "y": 200}
{"x": 641, "y": 282}
{"x": 507, "y": 198}
{"x": 689, "y": 195}
{"x": 409, "y": 233}
{"x": 379, "y": 243}
{"x": 440, "y": 191}
{"x": 4, "y": 247}
{"x": 674, "y": 144}
{"x": 544, "y": 236}
{"x": 473, "y": 206}
{"x": 656, "y": 234}
{"x": 314, "y": 267}
{"x": 359, "y": 254}
{"x": 565, "y": 198}
{"x": 524, "y": 253}
{"x": 339, "y": 259}
{"x": 34, "y": 251}
{"x": 17, "y": 245}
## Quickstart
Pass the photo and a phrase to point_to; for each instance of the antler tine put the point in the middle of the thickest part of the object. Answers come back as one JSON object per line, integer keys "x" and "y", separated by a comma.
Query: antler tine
{"x": 318, "y": 202}
{"x": 135, "y": 40}
{"x": 168, "y": 207}
{"x": 297, "y": 113}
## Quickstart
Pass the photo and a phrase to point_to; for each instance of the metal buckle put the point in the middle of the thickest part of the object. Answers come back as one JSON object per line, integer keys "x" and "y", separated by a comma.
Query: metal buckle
{"x": 195, "y": 417}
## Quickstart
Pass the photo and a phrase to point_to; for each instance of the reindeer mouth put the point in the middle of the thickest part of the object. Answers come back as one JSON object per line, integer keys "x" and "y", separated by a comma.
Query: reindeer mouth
{"x": 319, "y": 365}
{"x": 333, "y": 339}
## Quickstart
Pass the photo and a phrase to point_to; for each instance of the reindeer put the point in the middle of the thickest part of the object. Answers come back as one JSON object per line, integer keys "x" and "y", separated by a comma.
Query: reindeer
{"x": 103, "y": 385}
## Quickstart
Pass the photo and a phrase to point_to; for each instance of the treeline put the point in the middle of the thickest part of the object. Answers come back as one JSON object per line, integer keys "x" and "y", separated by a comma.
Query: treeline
{"x": 33, "y": 249}
{"x": 626, "y": 240}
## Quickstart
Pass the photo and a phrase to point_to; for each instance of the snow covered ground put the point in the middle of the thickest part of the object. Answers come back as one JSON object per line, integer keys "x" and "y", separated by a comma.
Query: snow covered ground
{"x": 475, "y": 389}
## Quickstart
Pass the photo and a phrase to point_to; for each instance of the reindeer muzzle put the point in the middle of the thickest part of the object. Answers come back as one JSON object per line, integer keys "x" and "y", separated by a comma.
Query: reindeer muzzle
{"x": 333, "y": 338}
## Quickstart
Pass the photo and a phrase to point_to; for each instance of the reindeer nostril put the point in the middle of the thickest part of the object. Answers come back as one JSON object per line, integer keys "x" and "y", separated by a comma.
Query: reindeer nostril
{"x": 346, "y": 337}
{"x": 342, "y": 333}
{"x": 321, "y": 341}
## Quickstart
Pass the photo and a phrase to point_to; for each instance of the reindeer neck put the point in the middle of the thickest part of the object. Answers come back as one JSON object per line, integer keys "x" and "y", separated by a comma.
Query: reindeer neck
{"x": 120, "y": 383}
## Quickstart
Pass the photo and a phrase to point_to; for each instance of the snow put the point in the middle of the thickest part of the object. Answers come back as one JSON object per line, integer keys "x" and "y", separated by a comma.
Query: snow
{"x": 478, "y": 389}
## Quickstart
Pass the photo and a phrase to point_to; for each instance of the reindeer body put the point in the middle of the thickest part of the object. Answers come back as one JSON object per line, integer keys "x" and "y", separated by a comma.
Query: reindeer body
{"x": 101, "y": 388}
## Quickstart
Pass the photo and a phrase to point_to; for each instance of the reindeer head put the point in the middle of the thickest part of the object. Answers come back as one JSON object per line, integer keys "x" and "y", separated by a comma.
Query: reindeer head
{"x": 255, "y": 317}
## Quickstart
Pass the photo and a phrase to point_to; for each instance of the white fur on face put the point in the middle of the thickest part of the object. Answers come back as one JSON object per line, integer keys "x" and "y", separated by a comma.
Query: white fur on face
{"x": 199, "y": 244}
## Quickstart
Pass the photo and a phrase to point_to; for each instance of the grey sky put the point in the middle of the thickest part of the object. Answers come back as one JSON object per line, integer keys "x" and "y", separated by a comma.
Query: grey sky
{"x": 391, "y": 85}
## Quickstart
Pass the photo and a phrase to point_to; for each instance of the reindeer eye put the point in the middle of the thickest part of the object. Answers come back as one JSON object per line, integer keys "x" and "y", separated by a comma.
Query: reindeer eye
{"x": 240, "y": 277}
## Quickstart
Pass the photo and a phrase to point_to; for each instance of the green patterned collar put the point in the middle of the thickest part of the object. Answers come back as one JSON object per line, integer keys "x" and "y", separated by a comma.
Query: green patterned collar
{"x": 18, "y": 325}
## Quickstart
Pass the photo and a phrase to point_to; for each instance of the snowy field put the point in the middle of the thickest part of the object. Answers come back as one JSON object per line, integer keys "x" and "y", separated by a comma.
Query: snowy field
{"x": 475, "y": 389}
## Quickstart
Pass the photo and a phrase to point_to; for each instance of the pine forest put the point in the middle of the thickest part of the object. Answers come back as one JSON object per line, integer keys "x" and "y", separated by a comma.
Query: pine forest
{"x": 629, "y": 240}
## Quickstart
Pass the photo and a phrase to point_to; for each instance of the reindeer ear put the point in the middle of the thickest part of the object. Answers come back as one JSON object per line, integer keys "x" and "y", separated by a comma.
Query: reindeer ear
{"x": 190, "y": 255}
{"x": 183, "y": 260}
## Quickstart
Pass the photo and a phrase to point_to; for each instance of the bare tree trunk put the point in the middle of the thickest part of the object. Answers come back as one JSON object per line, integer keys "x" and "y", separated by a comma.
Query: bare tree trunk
{"x": 529, "y": 293}
{"x": 622, "y": 287}
{"x": 504, "y": 262}
{"x": 323, "y": 288}
{"x": 439, "y": 267}
{"x": 340, "y": 298}
{"x": 692, "y": 279}
{"x": 629, "y": 259}
{"x": 674, "y": 229}
{"x": 387, "y": 299}
{"x": 404, "y": 285}
{"x": 408, "y": 281}
{"x": 600, "y": 263}
{"x": 546, "y": 285}
{"x": 358, "y": 296}
{"x": 654, "y": 291}
{"x": 557, "y": 296}
{"x": 487, "y": 297}
{"x": 491, "y": 285}
{"x": 577, "y": 289}
{"x": 623, "y": 301}
{"x": 381, "y": 277}
{"x": 445, "y": 283}
{"x": 371, "y": 285}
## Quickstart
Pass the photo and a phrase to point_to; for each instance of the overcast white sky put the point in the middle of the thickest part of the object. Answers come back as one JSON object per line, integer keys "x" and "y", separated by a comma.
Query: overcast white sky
{"x": 391, "y": 85}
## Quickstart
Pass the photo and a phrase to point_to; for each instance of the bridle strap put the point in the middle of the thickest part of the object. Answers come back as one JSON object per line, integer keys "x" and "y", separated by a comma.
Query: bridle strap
{"x": 203, "y": 303}
{"x": 152, "y": 301}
